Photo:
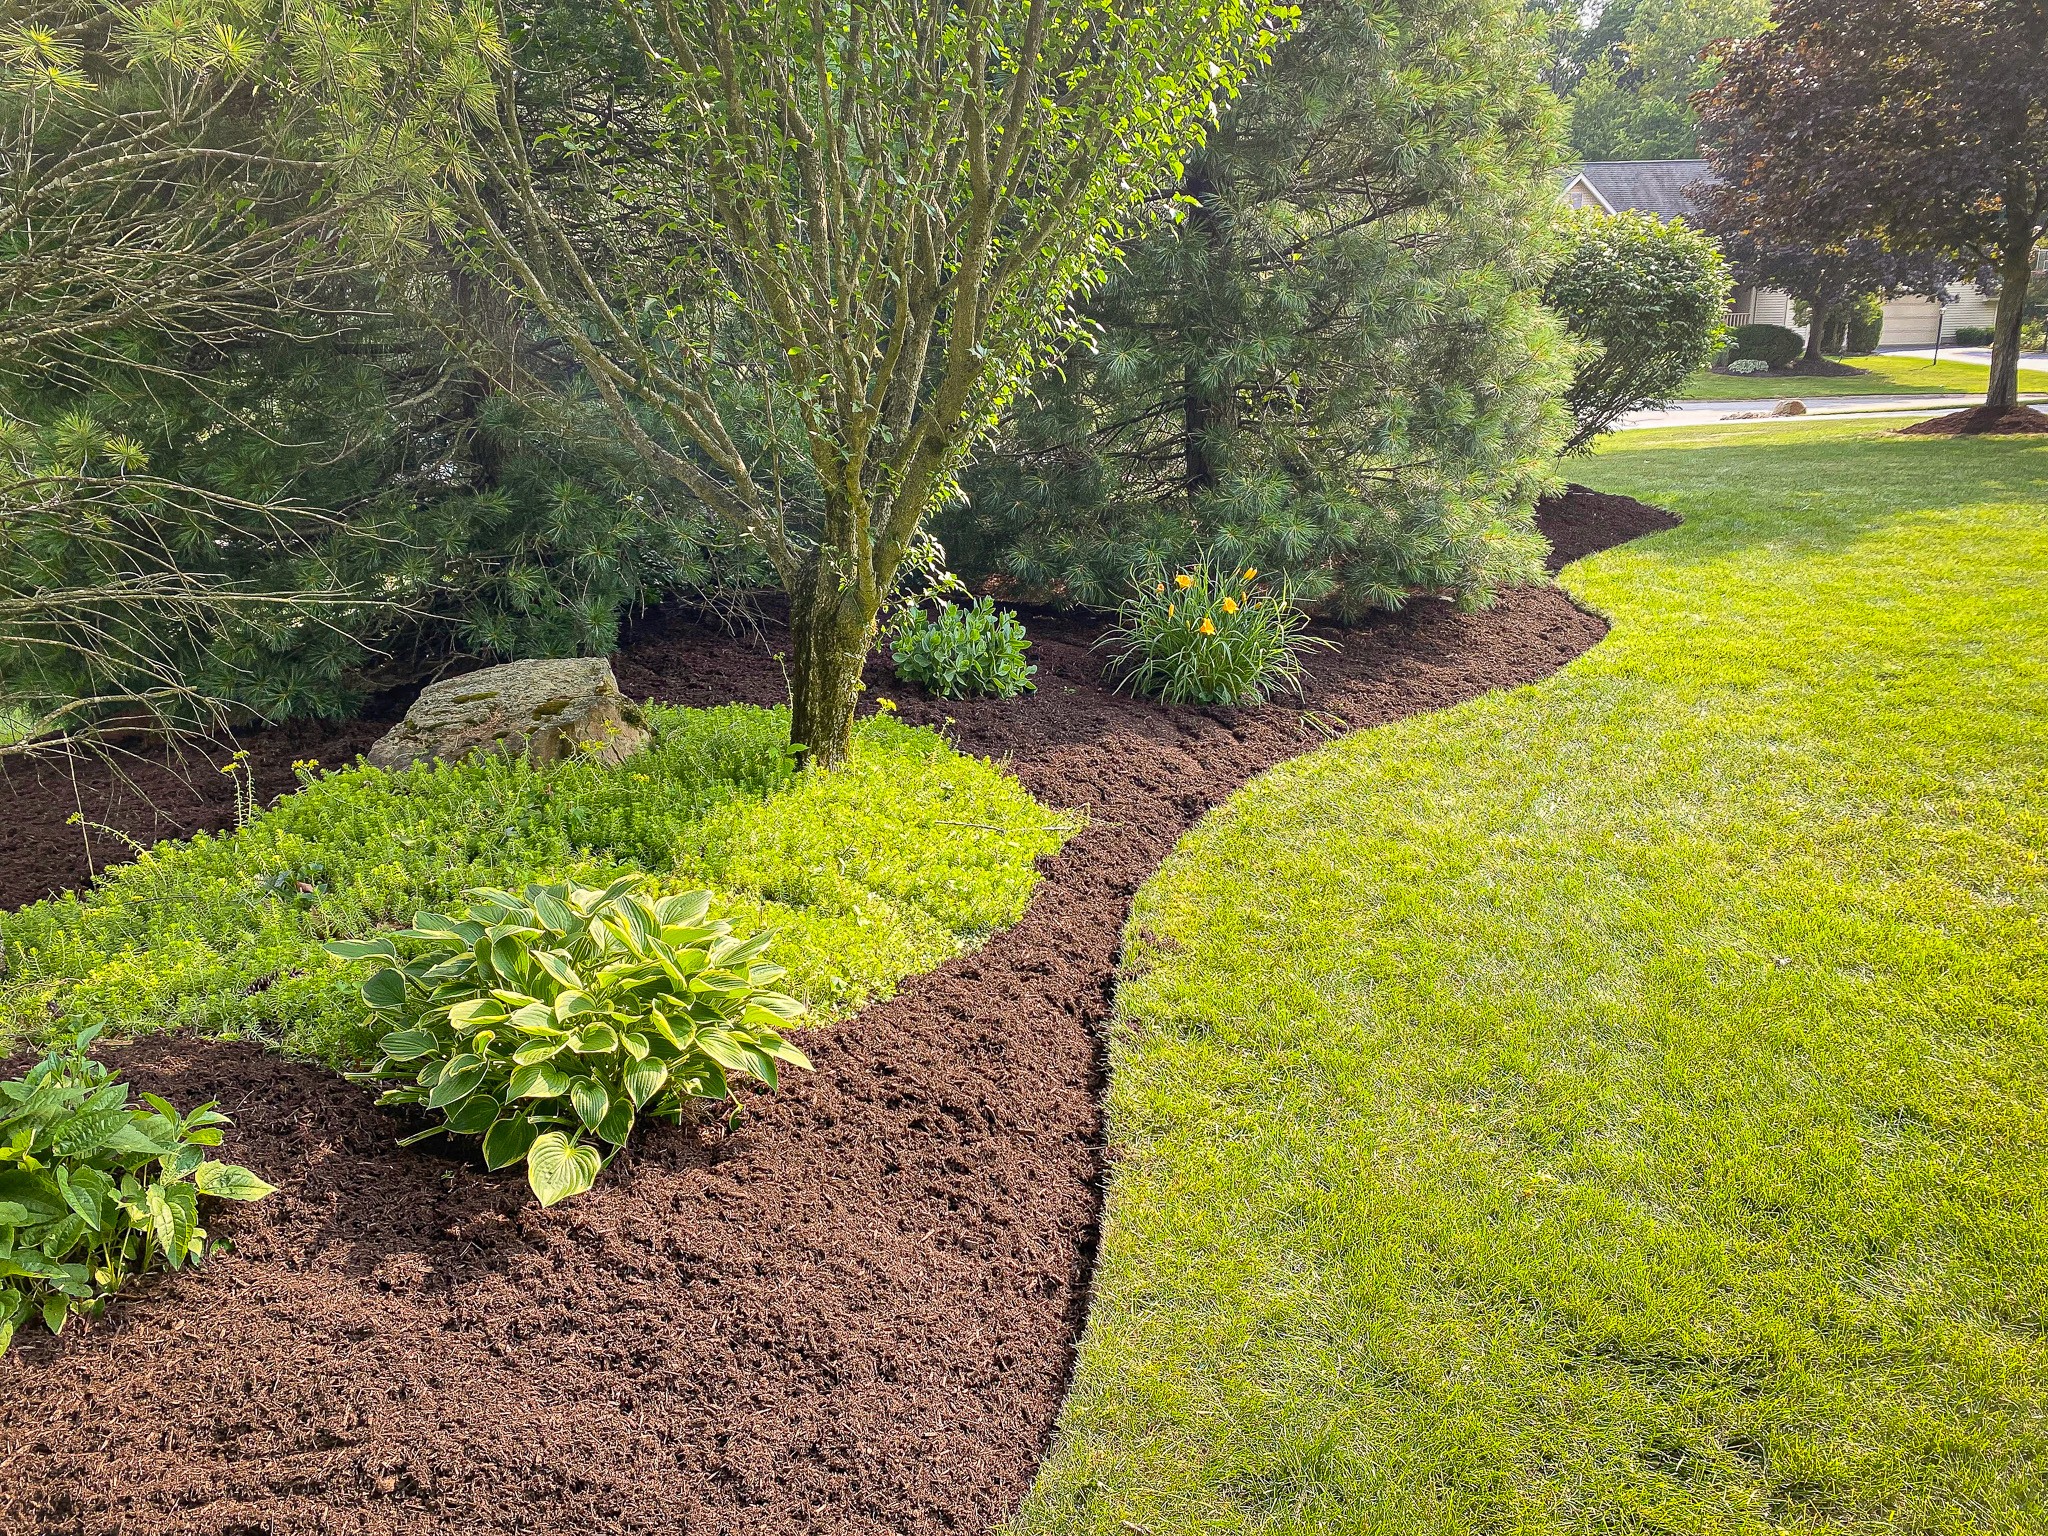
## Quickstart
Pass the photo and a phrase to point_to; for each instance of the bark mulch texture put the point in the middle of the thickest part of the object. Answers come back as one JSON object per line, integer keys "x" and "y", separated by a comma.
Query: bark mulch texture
{"x": 855, "y": 1313}
{"x": 1981, "y": 421}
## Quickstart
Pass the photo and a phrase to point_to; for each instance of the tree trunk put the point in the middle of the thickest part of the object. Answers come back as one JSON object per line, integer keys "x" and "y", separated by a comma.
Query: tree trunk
{"x": 1202, "y": 413}
{"x": 1817, "y": 334}
{"x": 830, "y": 630}
{"x": 2013, "y": 275}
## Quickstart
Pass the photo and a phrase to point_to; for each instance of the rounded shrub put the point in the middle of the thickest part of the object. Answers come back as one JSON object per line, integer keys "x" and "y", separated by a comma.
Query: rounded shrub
{"x": 970, "y": 652}
{"x": 1864, "y": 326}
{"x": 1644, "y": 299}
{"x": 1208, "y": 636}
{"x": 1773, "y": 344}
{"x": 1973, "y": 336}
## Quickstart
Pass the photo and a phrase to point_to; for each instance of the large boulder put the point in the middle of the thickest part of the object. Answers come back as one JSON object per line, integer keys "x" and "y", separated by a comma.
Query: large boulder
{"x": 540, "y": 710}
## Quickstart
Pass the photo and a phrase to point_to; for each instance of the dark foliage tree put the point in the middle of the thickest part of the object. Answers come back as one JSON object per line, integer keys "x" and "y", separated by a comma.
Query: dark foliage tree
{"x": 1330, "y": 363}
{"x": 1828, "y": 279}
{"x": 1919, "y": 124}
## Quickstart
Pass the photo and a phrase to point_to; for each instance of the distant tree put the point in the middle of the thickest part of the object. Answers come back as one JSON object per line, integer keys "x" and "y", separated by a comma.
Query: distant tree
{"x": 1644, "y": 299}
{"x": 1828, "y": 279}
{"x": 1630, "y": 70}
{"x": 1332, "y": 364}
{"x": 1916, "y": 124}
{"x": 806, "y": 253}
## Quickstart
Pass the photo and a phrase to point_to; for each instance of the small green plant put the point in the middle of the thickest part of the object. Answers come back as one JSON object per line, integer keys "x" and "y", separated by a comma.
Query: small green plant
{"x": 539, "y": 1020}
{"x": 976, "y": 651}
{"x": 94, "y": 1190}
{"x": 1208, "y": 636}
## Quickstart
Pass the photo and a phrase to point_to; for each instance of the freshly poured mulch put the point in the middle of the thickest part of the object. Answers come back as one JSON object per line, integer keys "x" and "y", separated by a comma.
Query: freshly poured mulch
{"x": 1981, "y": 421}
{"x": 855, "y": 1313}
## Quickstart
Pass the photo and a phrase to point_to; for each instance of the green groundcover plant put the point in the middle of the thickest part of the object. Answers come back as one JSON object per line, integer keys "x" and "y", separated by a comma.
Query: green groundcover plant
{"x": 911, "y": 854}
{"x": 536, "y": 1021}
{"x": 1208, "y": 636}
{"x": 94, "y": 1190}
{"x": 962, "y": 652}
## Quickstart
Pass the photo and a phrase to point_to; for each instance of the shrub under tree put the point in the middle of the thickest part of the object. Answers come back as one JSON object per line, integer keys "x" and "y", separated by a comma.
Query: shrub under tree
{"x": 1330, "y": 362}
{"x": 1645, "y": 299}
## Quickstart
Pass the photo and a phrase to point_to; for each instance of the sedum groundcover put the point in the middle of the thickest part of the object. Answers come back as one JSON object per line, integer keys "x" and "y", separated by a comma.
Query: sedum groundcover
{"x": 910, "y": 855}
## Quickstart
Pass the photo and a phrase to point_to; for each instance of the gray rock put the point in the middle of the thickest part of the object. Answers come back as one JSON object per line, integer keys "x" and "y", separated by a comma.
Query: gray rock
{"x": 543, "y": 711}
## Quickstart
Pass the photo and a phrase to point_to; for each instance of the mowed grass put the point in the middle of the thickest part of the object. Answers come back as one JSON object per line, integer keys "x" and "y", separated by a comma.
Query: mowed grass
{"x": 1618, "y": 1105}
{"x": 1882, "y": 375}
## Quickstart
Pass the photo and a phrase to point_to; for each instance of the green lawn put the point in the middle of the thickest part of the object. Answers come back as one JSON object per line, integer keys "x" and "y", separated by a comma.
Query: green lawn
{"x": 1885, "y": 375}
{"x": 1619, "y": 1105}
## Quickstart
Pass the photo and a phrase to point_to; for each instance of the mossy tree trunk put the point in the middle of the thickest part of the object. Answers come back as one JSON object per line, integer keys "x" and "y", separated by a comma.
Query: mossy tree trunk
{"x": 832, "y": 627}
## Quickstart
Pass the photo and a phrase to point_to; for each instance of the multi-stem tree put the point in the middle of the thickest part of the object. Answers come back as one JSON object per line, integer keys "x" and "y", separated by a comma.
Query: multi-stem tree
{"x": 1921, "y": 124}
{"x": 807, "y": 249}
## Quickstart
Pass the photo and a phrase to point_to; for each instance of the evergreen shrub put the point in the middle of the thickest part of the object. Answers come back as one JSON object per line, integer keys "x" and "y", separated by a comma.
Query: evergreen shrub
{"x": 1644, "y": 299}
{"x": 1330, "y": 360}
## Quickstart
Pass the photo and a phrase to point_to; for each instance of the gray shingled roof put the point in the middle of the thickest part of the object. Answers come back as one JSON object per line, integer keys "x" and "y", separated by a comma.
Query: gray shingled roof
{"x": 1649, "y": 186}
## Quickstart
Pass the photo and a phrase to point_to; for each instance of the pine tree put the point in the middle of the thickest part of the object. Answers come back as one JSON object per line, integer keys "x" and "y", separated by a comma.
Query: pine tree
{"x": 1328, "y": 361}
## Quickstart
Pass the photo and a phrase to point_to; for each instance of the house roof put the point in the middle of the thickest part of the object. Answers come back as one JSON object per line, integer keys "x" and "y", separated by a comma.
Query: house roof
{"x": 1645, "y": 186}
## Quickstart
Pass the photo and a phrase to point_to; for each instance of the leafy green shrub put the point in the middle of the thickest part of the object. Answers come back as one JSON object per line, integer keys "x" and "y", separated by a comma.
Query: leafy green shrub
{"x": 1773, "y": 344}
{"x": 1973, "y": 335}
{"x": 1749, "y": 365}
{"x": 537, "y": 1020}
{"x": 970, "y": 652}
{"x": 94, "y": 1191}
{"x": 1645, "y": 299}
{"x": 909, "y": 855}
{"x": 1207, "y": 636}
{"x": 1863, "y": 326}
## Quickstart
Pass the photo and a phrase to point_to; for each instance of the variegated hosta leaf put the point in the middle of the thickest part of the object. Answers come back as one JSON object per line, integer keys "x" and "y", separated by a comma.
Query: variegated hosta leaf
{"x": 569, "y": 1012}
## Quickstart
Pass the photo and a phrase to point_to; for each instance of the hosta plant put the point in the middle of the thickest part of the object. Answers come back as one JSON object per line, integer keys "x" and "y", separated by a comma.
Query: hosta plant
{"x": 962, "y": 652}
{"x": 94, "y": 1190}
{"x": 1208, "y": 636}
{"x": 550, "y": 1023}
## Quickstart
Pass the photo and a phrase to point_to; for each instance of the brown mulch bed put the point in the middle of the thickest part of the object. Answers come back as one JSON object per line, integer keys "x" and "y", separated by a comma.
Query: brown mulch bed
{"x": 855, "y": 1314}
{"x": 1981, "y": 421}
